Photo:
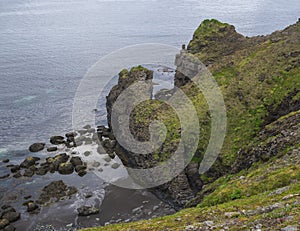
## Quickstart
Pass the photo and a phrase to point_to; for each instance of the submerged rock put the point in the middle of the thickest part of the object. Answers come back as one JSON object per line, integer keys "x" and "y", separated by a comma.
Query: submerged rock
{"x": 87, "y": 211}
{"x": 51, "y": 149}
{"x": 56, "y": 190}
{"x": 9, "y": 228}
{"x": 4, "y": 176}
{"x": 11, "y": 216}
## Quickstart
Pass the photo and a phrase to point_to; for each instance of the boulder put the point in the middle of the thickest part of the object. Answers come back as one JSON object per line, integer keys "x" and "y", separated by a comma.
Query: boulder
{"x": 42, "y": 170}
{"x": 17, "y": 175}
{"x": 12, "y": 216}
{"x": 79, "y": 168}
{"x": 3, "y": 223}
{"x": 57, "y": 160}
{"x": 71, "y": 134}
{"x": 5, "y": 161}
{"x": 51, "y": 149}
{"x": 87, "y": 153}
{"x": 82, "y": 173}
{"x": 31, "y": 206}
{"x": 15, "y": 168}
{"x": 29, "y": 161}
{"x": 9, "y": 228}
{"x": 56, "y": 140}
{"x": 76, "y": 161}
{"x": 36, "y": 147}
{"x": 28, "y": 173}
{"x": 9, "y": 209}
{"x": 87, "y": 211}
{"x": 65, "y": 168}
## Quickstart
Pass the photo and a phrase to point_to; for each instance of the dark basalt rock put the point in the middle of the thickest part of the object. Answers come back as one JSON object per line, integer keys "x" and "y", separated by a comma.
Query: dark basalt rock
{"x": 80, "y": 168}
{"x": 28, "y": 173}
{"x": 11, "y": 216}
{"x": 29, "y": 161}
{"x": 87, "y": 211}
{"x": 3, "y": 223}
{"x": 17, "y": 175}
{"x": 36, "y": 147}
{"x": 9, "y": 228}
{"x": 4, "y": 176}
{"x": 9, "y": 209}
{"x": 71, "y": 134}
{"x": 42, "y": 170}
{"x": 31, "y": 207}
{"x": 56, "y": 140}
{"x": 54, "y": 162}
{"x": 82, "y": 173}
{"x": 15, "y": 168}
{"x": 76, "y": 161}
{"x": 5, "y": 161}
{"x": 52, "y": 149}
{"x": 55, "y": 190}
{"x": 66, "y": 168}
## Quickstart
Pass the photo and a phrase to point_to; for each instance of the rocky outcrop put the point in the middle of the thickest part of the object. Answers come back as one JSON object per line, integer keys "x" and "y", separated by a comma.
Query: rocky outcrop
{"x": 55, "y": 191}
{"x": 181, "y": 189}
{"x": 276, "y": 137}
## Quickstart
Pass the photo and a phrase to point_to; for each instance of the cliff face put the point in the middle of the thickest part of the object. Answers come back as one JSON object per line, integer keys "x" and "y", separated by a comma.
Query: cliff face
{"x": 182, "y": 188}
{"x": 260, "y": 81}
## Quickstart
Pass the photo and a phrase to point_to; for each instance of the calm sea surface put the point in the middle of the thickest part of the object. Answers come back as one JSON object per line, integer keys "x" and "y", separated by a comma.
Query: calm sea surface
{"x": 46, "y": 47}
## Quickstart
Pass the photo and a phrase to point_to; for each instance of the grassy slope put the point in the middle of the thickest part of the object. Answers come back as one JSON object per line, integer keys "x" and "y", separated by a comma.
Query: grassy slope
{"x": 254, "y": 78}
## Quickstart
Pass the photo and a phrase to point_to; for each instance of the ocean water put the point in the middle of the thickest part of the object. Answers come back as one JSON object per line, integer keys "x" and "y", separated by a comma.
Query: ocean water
{"x": 46, "y": 47}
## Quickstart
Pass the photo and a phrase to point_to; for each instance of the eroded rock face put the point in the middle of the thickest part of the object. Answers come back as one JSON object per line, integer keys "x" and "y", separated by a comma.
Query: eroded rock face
{"x": 183, "y": 187}
{"x": 275, "y": 137}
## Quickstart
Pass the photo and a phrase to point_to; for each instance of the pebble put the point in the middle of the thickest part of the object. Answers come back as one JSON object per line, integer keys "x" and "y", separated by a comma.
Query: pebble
{"x": 155, "y": 208}
{"x": 115, "y": 165}
{"x": 232, "y": 214}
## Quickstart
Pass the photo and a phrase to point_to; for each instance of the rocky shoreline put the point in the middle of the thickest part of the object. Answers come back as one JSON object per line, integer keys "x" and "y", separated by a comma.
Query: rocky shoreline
{"x": 79, "y": 156}
{"x": 65, "y": 157}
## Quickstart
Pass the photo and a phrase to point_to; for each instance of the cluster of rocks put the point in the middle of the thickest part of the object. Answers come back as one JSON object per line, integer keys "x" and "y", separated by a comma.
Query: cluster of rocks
{"x": 62, "y": 163}
{"x": 54, "y": 192}
{"x": 8, "y": 215}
